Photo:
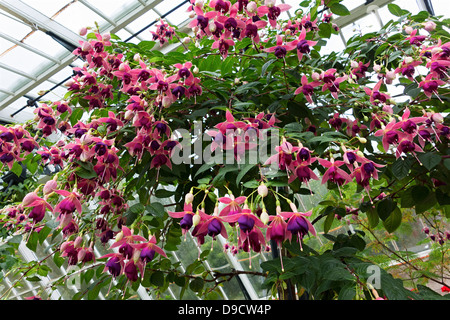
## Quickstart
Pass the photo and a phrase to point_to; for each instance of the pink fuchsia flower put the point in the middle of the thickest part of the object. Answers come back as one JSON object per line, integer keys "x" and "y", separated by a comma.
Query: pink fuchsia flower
{"x": 272, "y": 11}
{"x": 69, "y": 204}
{"x": 251, "y": 30}
{"x": 430, "y": 85}
{"x": 223, "y": 45}
{"x": 148, "y": 250}
{"x": 39, "y": 206}
{"x": 407, "y": 124}
{"x": 407, "y": 145}
{"x": 307, "y": 88}
{"x": 407, "y": 68}
{"x": 115, "y": 264}
{"x": 360, "y": 69}
{"x": 375, "y": 95}
{"x": 307, "y": 23}
{"x": 232, "y": 205}
{"x": 415, "y": 39}
{"x": 302, "y": 171}
{"x": 331, "y": 82}
{"x": 220, "y": 6}
{"x": 334, "y": 173}
{"x": 297, "y": 224}
{"x": 303, "y": 46}
{"x": 354, "y": 127}
{"x": 281, "y": 49}
{"x": 284, "y": 155}
{"x": 186, "y": 217}
{"x": 389, "y": 134}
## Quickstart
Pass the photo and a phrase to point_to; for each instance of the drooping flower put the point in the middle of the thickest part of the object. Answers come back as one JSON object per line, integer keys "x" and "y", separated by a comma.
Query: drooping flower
{"x": 307, "y": 88}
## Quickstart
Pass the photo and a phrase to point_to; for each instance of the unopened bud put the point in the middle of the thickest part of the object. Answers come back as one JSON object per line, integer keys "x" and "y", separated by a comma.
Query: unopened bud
{"x": 83, "y": 31}
{"x": 252, "y": 7}
{"x": 189, "y": 198}
{"x": 430, "y": 26}
{"x": 119, "y": 236}
{"x": 195, "y": 70}
{"x": 196, "y": 219}
{"x": 78, "y": 241}
{"x": 408, "y": 29}
{"x": 262, "y": 190}
{"x": 362, "y": 140}
{"x": 264, "y": 217}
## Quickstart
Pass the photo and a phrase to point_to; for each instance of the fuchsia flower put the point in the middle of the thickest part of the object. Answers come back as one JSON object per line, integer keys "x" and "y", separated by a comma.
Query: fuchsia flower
{"x": 69, "y": 204}
{"x": 186, "y": 217}
{"x": 272, "y": 11}
{"x": 430, "y": 85}
{"x": 334, "y": 174}
{"x": 375, "y": 95}
{"x": 407, "y": 68}
{"x": 39, "y": 206}
{"x": 233, "y": 205}
{"x": 148, "y": 250}
{"x": 281, "y": 49}
{"x": 307, "y": 88}
{"x": 415, "y": 39}
{"x": 303, "y": 45}
{"x": 284, "y": 155}
{"x": 223, "y": 45}
{"x": 297, "y": 224}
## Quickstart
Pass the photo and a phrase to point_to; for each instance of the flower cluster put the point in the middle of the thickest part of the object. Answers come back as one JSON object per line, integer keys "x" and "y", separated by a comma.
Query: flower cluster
{"x": 255, "y": 229}
{"x": 134, "y": 252}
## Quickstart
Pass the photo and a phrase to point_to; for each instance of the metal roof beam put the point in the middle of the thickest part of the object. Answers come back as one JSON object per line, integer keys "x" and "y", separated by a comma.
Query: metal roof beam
{"x": 28, "y": 47}
{"x": 14, "y": 8}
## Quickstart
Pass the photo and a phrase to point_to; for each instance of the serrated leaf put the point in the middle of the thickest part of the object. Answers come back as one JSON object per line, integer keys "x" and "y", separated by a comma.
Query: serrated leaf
{"x": 394, "y": 220}
{"x": 401, "y": 167}
{"x": 429, "y": 159}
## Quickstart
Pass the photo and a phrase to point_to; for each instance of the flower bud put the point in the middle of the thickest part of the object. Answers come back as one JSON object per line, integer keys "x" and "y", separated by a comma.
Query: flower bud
{"x": 186, "y": 40}
{"x": 270, "y": 3}
{"x": 119, "y": 236}
{"x": 409, "y": 60}
{"x": 81, "y": 254}
{"x": 252, "y": 7}
{"x": 189, "y": 198}
{"x": 264, "y": 217}
{"x": 315, "y": 76}
{"x": 362, "y": 140}
{"x": 262, "y": 190}
{"x": 199, "y": 3}
{"x": 78, "y": 241}
{"x": 83, "y": 31}
{"x": 437, "y": 117}
{"x": 106, "y": 36}
{"x": 408, "y": 29}
{"x": 86, "y": 46}
{"x": 137, "y": 57}
{"x": 195, "y": 70}
{"x": 50, "y": 186}
{"x": 196, "y": 219}
{"x": 376, "y": 68}
{"x": 430, "y": 26}
{"x": 354, "y": 64}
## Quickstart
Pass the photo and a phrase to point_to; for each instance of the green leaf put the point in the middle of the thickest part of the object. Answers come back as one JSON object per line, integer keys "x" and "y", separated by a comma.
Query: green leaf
{"x": 396, "y": 10}
{"x": 17, "y": 169}
{"x": 372, "y": 217}
{"x": 394, "y": 220}
{"x": 385, "y": 207}
{"x": 157, "y": 278}
{"x": 197, "y": 284}
{"x": 266, "y": 65}
{"x": 429, "y": 159}
{"x": 325, "y": 30}
{"x": 339, "y": 9}
{"x": 401, "y": 167}
{"x": 328, "y": 222}
{"x": 243, "y": 171}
